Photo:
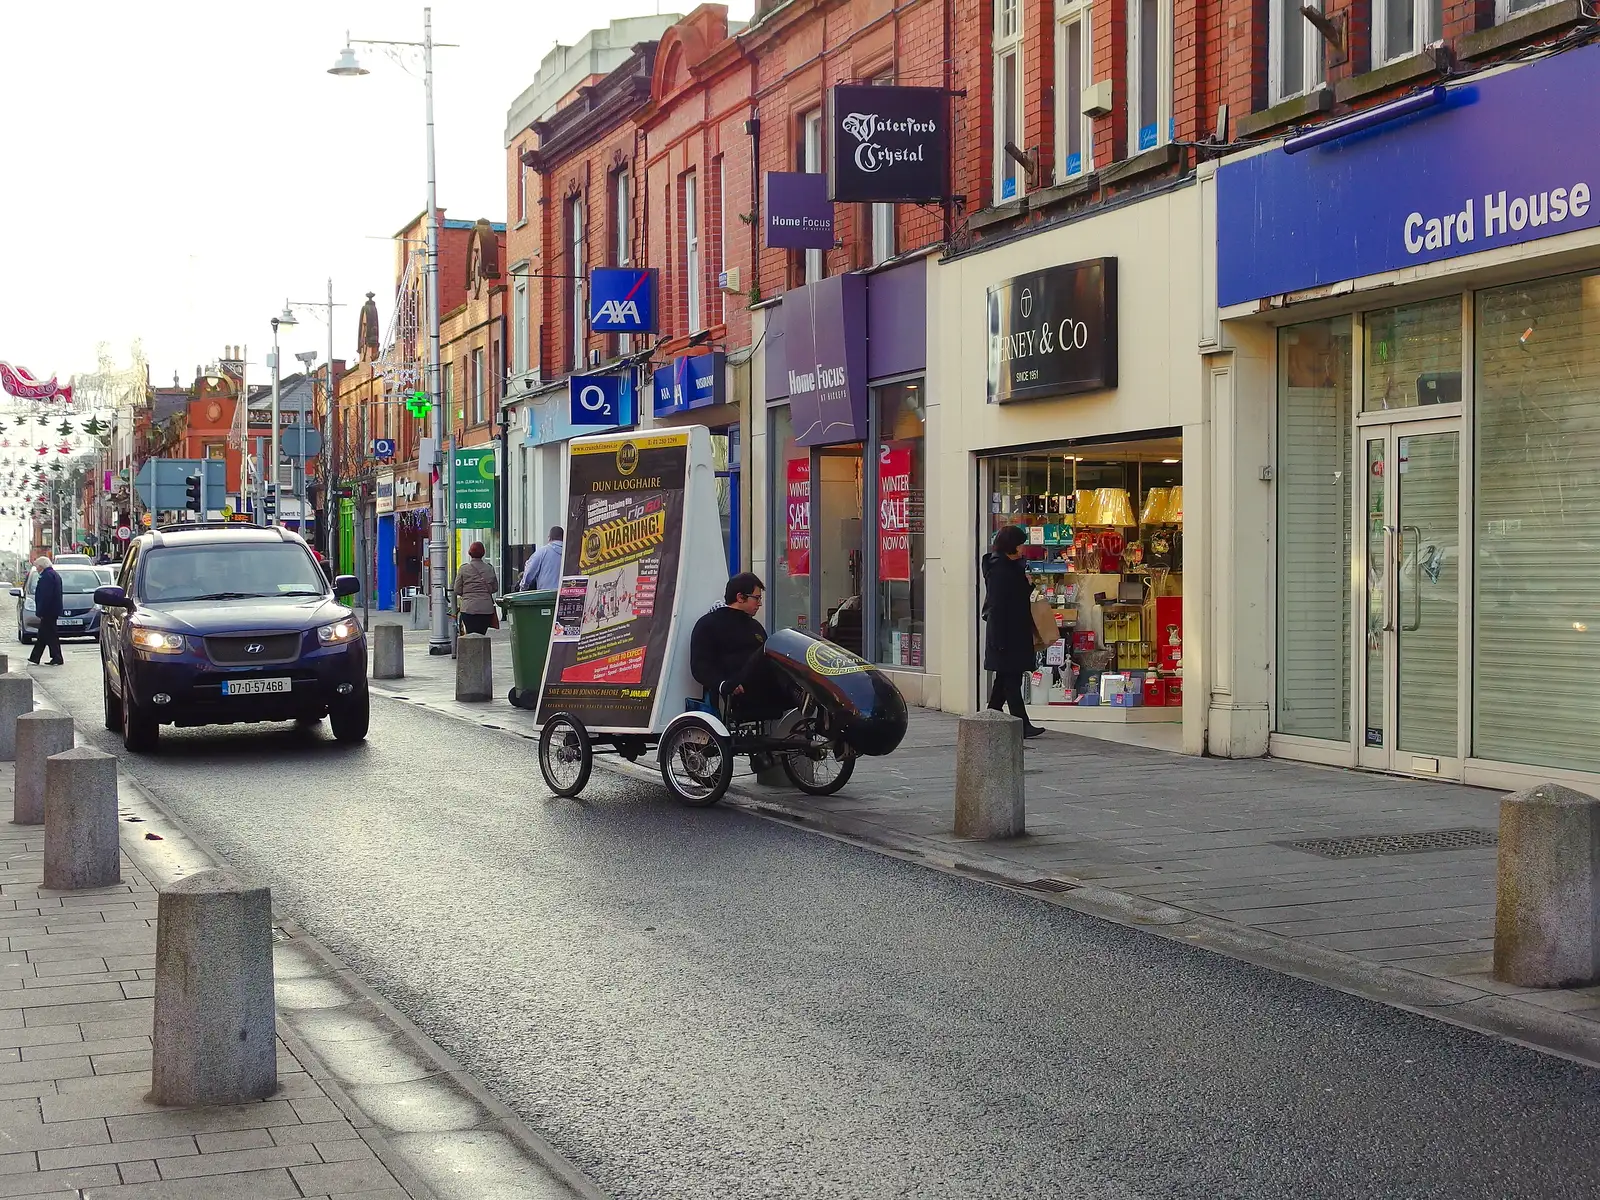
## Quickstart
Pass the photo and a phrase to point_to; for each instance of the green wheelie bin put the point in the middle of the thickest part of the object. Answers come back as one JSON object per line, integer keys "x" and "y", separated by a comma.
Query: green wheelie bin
{"x": 531, "y": 614}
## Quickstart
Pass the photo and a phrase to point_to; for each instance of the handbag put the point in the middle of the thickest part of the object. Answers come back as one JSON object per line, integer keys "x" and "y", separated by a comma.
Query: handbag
{"x": 494, "y": 620}
{"x": 1045, "y": 629}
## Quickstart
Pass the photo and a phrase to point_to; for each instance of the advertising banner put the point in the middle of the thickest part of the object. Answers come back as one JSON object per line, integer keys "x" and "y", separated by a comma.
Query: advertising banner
{"x": 894, "y": 511}
{"x": 474, "y": 488}
{"x": 799, "y": 213}
{"x": 889, "y": 143}
{"x": 1054, "y": 332}
{"x": 825, "y": 352}
{"x": 614, "y": 614}
{"x": 798, "y": 507}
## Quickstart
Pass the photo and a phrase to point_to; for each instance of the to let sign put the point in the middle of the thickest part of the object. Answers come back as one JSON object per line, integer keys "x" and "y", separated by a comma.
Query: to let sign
{"x": 890, "y": 144}
{"x": 1054, "y": 332}
{"x": 474, "y": 488}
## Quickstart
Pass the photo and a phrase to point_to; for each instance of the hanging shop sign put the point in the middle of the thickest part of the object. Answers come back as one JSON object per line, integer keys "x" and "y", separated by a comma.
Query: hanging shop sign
{"x": 799, "y": 213}
{"x": 825, "y": 352}
{"x": 600, "y": 399}
{"x": 383, "y": 448}
{"x": 385, "y": 493}
{"x": 474, "y": 488}
{"x": 688, "y": 382}
{"x": 1501, "y": 160}
{"x": 894, "y": 511}
{"x": 890, "y": 144}
{"x": 797, "y": 508}
{"x": 622, "y": 300}
{"x": 1054, "y": 332}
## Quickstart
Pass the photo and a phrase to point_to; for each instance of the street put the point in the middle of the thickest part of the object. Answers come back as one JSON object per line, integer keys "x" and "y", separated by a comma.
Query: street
{"x": 707, "y": 1004}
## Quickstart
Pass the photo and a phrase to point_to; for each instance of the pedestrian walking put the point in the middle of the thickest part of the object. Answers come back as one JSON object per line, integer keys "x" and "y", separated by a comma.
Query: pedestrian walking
{"x": 1008, "y": 635}
{"x": 543, "y": 572}
{"x": 475, "y": 591}
{"x": 47, "y": 607}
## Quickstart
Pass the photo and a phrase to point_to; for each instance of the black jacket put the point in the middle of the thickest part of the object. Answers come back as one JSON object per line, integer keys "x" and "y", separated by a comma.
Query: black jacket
{"x": 723, "y": 648}
{"x": 47, "y": 594}
{"x": 1008, "y": 632}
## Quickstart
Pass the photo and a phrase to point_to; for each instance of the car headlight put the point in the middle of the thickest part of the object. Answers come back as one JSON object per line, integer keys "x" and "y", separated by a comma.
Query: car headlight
{"x": 338, "y": 633}
{"x": 27, "y": 605}
{"x": 158, "y": 641}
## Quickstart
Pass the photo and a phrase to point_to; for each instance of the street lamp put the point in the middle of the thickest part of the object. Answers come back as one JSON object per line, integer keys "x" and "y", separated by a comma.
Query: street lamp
{"x": 286, "y": 318}
{"x": 346, "y": 65}
{"x": 329, "y": 468}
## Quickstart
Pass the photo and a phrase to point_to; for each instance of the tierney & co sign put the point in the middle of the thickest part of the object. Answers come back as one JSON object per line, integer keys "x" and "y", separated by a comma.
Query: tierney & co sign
{"x": 1054, "y": 332}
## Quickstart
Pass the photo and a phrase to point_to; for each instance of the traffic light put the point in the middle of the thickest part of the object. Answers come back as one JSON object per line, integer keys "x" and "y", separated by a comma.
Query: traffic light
{"x": 269, "y": 502}
{"x": 191, "y": 487}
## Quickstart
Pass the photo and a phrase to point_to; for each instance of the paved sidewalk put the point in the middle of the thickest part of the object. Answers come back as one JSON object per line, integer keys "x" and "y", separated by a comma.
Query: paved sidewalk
{"x": 76, "y": 987}
{"x": 1207, "y": 842}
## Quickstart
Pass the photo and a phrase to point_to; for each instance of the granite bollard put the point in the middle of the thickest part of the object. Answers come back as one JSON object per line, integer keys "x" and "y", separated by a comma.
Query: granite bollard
{"x": 989, "y": 792}
{"x": 16, "y": 698}
{"x": 1547, "y": 895}
{"x": 39, "y": 735}
{"x": 474, "y": 667}
{"x": 81, "y": 849}
{"x": 215, "y": 1035}
{"x": 5, "y": 663}
{"x": 388, "y": 652}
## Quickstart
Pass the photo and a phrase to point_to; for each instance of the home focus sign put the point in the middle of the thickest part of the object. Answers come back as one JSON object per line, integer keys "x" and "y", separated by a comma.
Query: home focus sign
{"x": 889, "y": 144}
{"x": 1054, "y": 332}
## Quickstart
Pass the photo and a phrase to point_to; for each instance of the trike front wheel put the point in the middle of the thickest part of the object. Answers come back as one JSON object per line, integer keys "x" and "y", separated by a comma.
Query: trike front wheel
{"x": 696, "y": 763}
{"x": 821, "y": 771}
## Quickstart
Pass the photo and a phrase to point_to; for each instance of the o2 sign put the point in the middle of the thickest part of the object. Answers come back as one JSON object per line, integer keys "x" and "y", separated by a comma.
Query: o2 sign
{"x": 598, "y": 399}
{"x": 384, "y": 448}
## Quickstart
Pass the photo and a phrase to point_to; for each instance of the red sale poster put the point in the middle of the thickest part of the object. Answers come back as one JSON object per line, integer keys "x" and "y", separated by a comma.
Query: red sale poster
{"x": 894, "y": 511}
{"x": 798, "y": 504}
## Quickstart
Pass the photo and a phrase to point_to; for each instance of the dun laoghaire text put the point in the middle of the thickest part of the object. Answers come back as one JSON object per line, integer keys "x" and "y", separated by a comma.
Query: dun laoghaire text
{"x": 1501, "y": 215}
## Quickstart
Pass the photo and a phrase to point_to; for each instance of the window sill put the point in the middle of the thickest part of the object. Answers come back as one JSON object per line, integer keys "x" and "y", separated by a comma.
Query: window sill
{"x": 1285, "y": 112}
{"x": 999, "y": 213}
{"x": 1523, "y": 28}
{"x": 1141, "y": 164}
{"x": 1078, "y": 185}
{"x": 1406, "y": 70}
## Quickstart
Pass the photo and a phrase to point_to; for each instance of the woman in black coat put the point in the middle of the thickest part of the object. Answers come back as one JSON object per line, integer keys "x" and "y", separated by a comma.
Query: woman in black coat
{"x": 1008, "y": 638}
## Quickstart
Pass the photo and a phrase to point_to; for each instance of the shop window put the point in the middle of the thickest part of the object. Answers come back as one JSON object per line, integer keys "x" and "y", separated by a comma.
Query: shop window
{"x": 1314, "y": 523}
{"x": 1074, "y": 69}
{"x": 1401, "y": 28}
{"x": 1150, "y": 121}
{"x": 1008, "y": 180}
{"x": 837, "y": 551}
{"x": 789, "y": 580}
{"x": 1413, "y": 355}
{"x": 901, "y": 525}
{"x": 1536, "y": 677}
{"x": 1506, "y": 9}
{"x": 1295, "y": 49}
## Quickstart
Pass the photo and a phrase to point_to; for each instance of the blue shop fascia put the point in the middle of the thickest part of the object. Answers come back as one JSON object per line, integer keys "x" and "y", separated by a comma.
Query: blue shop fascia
{"x": 1405, "y": 357}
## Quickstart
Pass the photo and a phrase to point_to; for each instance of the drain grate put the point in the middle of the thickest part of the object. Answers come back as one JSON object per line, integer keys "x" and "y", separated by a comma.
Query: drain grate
{"x": 1050, "y": 885}
{"x": 1378, "y": 844}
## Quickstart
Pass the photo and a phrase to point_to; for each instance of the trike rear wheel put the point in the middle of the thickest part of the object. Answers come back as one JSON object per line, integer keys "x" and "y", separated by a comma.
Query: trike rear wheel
{"x": 566, "y": 755}
{"x": 696, "y": 763}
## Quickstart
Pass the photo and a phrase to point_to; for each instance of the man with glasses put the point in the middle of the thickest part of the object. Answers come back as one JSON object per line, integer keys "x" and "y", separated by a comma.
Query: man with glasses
{"x": 726, "y": 654}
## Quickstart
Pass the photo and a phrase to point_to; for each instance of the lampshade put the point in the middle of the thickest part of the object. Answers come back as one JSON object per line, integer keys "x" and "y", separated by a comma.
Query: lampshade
{"x": 1155, "y": 504}
{"x": 1174, "y": 513}
{"x": 1112, "y": 507}
{"x": 1084, "y": 509}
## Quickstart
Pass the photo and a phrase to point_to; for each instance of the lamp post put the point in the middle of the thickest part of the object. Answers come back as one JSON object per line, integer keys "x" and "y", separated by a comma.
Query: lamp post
{"x": 346, "y": 65}
{"x": 329, "y": 459}
{"x": 286, "y": 318}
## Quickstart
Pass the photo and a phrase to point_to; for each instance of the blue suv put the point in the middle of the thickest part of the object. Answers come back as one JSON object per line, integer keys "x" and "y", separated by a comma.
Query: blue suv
{"x": 215, "y": 625}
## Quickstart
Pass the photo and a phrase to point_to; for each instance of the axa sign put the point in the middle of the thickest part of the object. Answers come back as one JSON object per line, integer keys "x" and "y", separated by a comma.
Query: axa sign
{"x": 622, "y": 300}
{"x": 890, "y": 144}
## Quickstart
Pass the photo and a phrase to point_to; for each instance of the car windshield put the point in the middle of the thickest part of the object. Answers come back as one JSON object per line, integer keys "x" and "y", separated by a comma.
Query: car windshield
{"x": 217, "y": 571}
{"x": 73, "y": 579}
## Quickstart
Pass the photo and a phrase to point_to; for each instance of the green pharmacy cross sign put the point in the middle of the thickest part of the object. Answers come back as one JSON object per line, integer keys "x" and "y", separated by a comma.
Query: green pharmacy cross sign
{"x": 418, "y": 404}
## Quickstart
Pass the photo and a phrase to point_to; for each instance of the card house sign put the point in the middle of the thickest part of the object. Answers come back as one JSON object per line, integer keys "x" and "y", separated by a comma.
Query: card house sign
{"x": 1054, "y": 332}
{"x": 890, "y": 144}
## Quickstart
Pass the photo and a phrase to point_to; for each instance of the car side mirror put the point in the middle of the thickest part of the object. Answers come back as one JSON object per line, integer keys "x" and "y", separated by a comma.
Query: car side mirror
{"x": 346, "y": 585}
{"x": 112, "y": 596}
{"x": 16, "y": 591}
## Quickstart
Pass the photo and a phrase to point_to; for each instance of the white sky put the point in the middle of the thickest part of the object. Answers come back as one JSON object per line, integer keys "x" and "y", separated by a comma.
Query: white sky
{"x": 173, "y": 170}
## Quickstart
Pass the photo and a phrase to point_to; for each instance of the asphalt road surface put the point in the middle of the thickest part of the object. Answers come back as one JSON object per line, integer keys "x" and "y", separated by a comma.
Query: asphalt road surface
{"x": 706, "y": 1004}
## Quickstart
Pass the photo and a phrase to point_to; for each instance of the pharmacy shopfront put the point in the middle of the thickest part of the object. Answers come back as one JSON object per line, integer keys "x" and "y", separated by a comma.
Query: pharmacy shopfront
{"x": 1066, "y": 397}
{"x": 1413, "y": 315}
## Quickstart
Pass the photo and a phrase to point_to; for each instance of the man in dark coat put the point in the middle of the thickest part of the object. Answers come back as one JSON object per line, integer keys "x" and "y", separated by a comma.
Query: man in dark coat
{"x": 726, "y": 656}
{"x": 47, "y": 605}
{"x": 1008, "y": 634}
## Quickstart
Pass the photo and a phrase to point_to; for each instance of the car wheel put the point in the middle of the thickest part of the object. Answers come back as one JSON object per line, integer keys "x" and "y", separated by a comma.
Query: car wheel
{"x": 113, "y": 705}
{"x": 350, "y": 716}
{"x": 24, "y": 636}
{"x": 141, "y": 732}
